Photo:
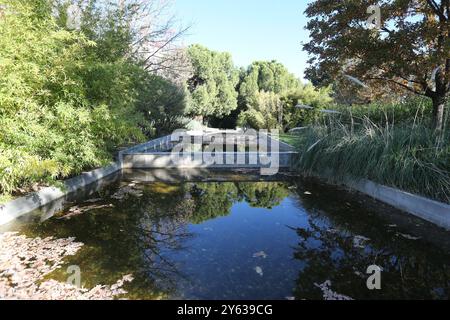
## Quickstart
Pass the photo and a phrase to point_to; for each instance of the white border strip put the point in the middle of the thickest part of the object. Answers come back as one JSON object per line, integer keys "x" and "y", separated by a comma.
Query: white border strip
{"x": 427, "y": 209}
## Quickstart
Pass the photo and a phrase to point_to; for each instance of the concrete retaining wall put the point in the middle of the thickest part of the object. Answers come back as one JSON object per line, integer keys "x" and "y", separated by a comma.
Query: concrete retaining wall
{"x": 164, "y": 160}
{"x": 47, "y": 196}
{"x": 432, "y": 211}
{"x": 158, "y": 145}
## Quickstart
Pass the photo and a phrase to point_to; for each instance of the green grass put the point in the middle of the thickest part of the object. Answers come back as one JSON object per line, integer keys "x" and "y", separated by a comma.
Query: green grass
{"x": 292, "y": 139}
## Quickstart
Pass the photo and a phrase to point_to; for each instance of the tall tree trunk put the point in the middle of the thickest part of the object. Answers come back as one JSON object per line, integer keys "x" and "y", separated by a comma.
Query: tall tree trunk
{"x": 438, "y": 112}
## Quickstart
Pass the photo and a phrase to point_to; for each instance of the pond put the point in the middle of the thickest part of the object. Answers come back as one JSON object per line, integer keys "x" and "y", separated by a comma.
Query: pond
{"x": 236, "y": 236}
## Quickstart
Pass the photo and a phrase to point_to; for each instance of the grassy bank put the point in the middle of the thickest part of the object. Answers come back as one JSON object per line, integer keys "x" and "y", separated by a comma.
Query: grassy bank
{"x": 407, "y": 155}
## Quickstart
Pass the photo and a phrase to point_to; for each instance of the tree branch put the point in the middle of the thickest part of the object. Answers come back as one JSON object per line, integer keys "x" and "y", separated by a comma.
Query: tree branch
{"x": 401, "y": 85}
{"x": 435, "y": 7}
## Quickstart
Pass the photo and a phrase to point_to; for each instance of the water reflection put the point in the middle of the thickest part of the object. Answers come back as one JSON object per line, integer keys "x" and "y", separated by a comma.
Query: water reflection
{"x": 236, "y": 237}
{"x": 343, "y": 237}
{"x": 338, "y": 257}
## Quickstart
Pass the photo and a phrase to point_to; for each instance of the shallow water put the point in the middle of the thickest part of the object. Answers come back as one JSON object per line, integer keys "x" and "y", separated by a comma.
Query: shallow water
{"x": 232, "y": 236}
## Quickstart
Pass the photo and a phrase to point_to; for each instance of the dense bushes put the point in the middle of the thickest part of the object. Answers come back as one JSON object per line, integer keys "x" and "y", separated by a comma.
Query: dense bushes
{"x": 307, "y": 95}
{"x": 270, "y": 110}
{"x": 264, "y": 111}
{"x": 212, "y": 86}
{"x": 64, "y": 106}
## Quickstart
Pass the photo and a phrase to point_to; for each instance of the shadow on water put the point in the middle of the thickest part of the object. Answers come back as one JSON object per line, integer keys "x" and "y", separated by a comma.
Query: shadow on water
{"x": 213, "y": 235}
{"x": 346, "y": 233}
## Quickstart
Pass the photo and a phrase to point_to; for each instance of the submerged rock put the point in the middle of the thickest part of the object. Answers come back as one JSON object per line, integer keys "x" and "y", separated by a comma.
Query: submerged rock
{"x": 124, "y": 192}
{"x": 76, "y": 210}
{"x": 93, "y": 200}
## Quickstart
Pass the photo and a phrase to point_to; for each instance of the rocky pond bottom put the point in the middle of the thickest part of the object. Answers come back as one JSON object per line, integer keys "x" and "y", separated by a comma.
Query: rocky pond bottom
{"x": 231, "y": 236}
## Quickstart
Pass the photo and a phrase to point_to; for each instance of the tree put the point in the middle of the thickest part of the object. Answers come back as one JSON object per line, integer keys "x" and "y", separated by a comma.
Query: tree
{"x": 317, "y": 98}
{"x": 162, "y": 103}
{"x": 213, "y": 84}
{"x": 264, "y": 112}
{"x": 70, "y": 97}
{"x": 410, "y": 50}
{"x": 268, "y": 76}
{"x": 142, "y": 30}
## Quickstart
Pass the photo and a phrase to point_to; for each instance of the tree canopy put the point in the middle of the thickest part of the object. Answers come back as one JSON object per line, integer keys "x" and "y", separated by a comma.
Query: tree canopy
{"x": 268, "y": 76}
{"x": 213, "y": 83}
{"x": 410, "y": 50}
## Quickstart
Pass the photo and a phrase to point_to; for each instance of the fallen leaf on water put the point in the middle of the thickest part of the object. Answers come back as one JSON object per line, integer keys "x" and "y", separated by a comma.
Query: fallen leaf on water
{"x": 329, "y": 294}
{"x": 360, "y": 241}
{"x": 409, "y": 237}
{"x": 26, "y": 262}
{"x": 359, "y": 274}
{"x": 259, "y": 271}
{"x": 260, "y": 254}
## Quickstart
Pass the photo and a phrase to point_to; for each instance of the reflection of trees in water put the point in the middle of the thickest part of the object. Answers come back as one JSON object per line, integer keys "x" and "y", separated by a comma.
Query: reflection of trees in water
{"x": 137, "y": 233}
{"x": 327, "y": 247}
{"x": 132, "y": 237}
{"x": 213, "y": 200}
{"x": 263, "y": 194}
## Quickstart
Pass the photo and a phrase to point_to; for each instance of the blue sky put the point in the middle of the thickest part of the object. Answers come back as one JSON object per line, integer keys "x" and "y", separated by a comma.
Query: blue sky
{"x": 249, "y": 29}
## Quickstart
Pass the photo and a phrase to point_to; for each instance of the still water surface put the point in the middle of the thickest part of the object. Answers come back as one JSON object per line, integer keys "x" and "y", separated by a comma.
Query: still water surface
{"x": 232, "y": 236}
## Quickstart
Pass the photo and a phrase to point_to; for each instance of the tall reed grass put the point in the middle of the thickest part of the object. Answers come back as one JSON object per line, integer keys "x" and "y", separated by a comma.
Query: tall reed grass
{"x": 409, "y": 156}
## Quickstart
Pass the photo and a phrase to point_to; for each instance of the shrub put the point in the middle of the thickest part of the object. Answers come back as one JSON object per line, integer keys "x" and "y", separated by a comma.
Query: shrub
{"x": 61, "y": 109}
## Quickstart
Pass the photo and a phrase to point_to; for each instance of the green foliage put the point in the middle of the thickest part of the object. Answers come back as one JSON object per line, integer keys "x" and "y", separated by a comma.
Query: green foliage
{"x": 263, "y": 113}
{"x": 411, "y": 110}
{"x": 214, "y": 200}
{"x": 308, "y": 95}
{"x": 70, "y": 98}
{"x": 263, "y": 194}
{"x": 411, "y": 157}
{"x": 413, "y": 39}
{"x": 269, "y": 76}
{"x": 212, "y": 88}
{"x": 163, "y": 105}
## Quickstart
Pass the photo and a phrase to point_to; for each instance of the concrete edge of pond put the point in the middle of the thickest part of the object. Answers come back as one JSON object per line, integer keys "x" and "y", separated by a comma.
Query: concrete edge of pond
{"x": 427, "y": 209}
{"x": 226, "y": 160}
{"x": 29, "y": 203}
